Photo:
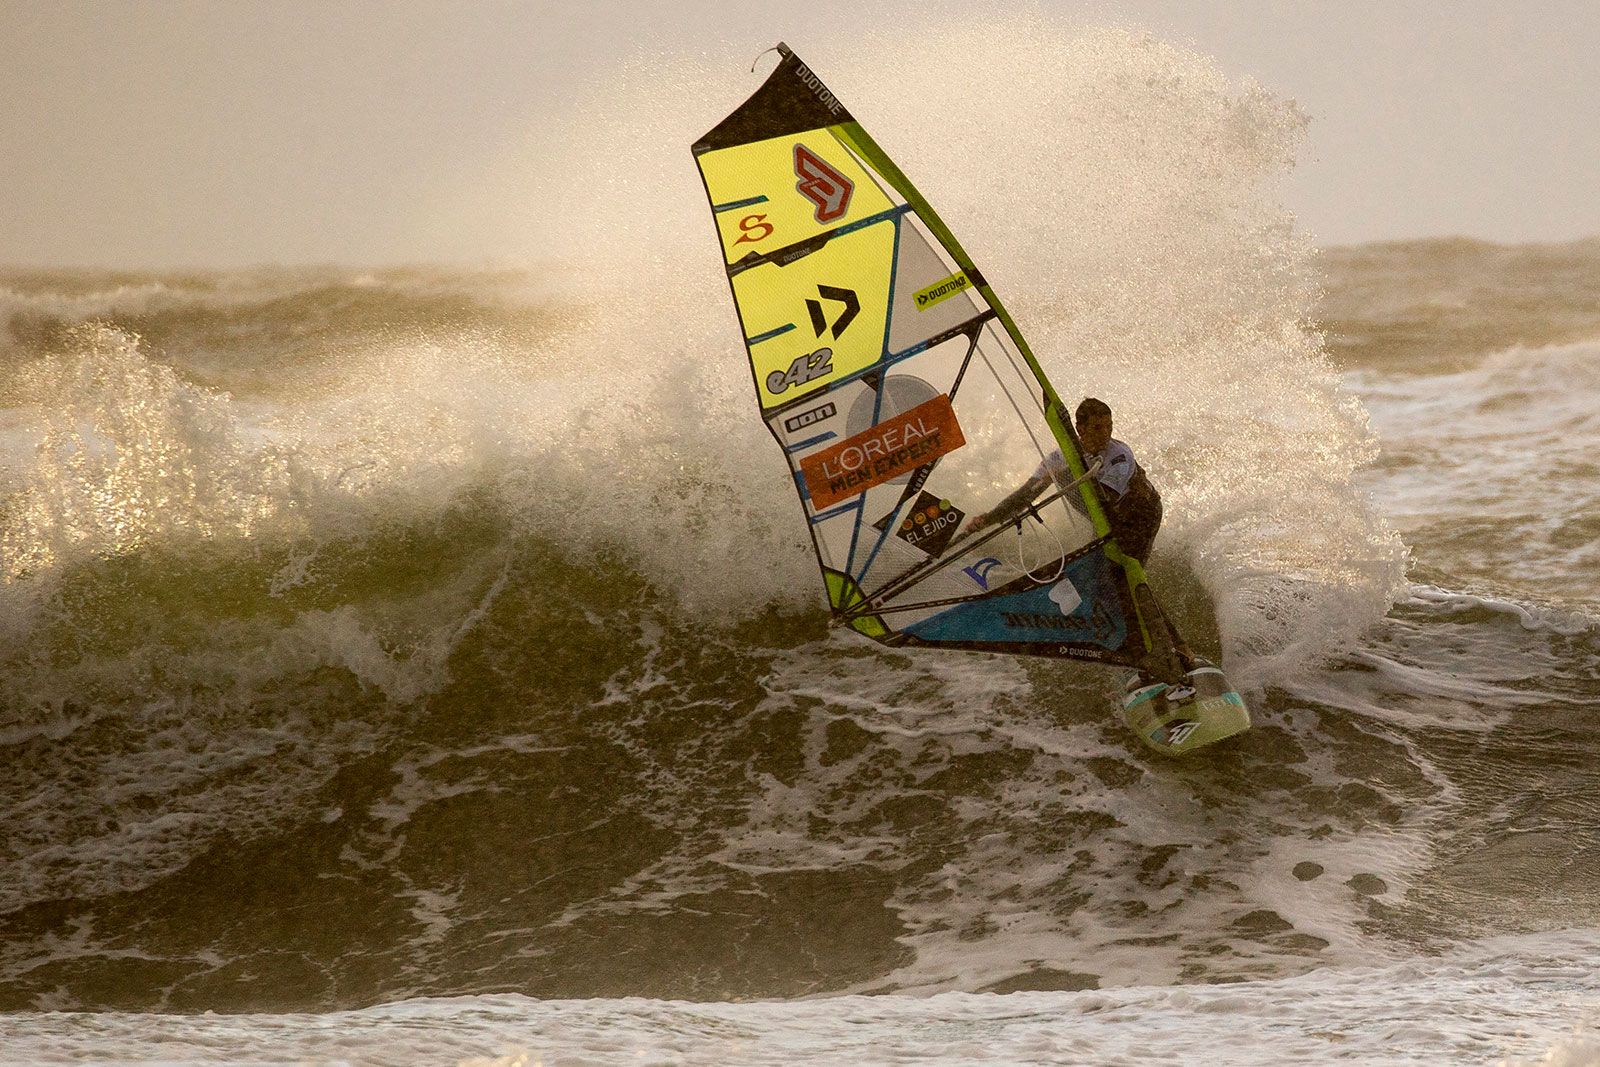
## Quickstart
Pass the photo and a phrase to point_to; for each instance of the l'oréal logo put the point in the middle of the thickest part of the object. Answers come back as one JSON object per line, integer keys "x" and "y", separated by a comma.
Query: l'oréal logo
{"x": 895, "y": 446}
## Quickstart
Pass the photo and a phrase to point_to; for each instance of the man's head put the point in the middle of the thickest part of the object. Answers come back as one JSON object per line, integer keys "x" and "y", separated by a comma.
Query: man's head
{"x": 1093, "y": 419}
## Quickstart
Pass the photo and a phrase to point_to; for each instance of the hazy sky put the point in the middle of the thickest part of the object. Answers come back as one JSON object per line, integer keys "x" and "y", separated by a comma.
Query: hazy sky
{"x": 228, "y": 132}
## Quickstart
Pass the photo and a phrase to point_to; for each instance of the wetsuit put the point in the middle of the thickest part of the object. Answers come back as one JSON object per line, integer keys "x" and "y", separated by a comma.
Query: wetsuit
{"x": 1133, "y": 507}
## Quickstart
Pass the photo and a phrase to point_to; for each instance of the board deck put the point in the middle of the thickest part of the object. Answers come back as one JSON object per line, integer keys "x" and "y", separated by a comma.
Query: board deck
{"x": 1176, "y": 727}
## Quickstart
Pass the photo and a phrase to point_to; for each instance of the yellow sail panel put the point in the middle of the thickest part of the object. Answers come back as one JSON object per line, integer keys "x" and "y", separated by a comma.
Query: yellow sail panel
{"x": 819, "y": 318}
{"x": 779, "y": 192}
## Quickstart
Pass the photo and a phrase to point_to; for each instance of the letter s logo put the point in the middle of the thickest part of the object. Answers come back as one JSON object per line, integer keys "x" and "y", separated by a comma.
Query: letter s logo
{"x": 751, "y": 223}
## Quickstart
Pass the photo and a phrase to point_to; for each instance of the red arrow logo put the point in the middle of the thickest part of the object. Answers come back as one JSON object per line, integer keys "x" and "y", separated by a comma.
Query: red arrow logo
{"x": 821, "y": 184}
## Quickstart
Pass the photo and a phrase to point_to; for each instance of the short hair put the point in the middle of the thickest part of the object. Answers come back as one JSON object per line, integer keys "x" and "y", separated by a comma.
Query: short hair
{"x": 1091, "y": 408}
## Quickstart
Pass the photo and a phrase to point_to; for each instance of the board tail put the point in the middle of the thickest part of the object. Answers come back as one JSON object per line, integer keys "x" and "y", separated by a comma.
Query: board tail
{"x": 1177, "y": 719}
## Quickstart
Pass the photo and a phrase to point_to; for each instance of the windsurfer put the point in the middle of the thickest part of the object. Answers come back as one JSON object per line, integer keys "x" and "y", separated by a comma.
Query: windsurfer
{"x": 1133, "y": 505}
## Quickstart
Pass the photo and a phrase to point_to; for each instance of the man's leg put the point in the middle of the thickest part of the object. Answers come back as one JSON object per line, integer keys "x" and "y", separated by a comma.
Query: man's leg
{"x": 1136, "y": 540}
{"x": 1185, "y": 654}
{"x": 1164, "y": 660}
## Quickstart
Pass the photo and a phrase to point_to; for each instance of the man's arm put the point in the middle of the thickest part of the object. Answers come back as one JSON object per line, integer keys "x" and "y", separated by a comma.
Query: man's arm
{"x": 1012, "y": 506}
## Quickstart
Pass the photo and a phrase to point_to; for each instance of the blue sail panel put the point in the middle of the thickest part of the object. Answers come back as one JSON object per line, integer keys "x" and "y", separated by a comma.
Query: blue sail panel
{"x": 1082, "y": 613}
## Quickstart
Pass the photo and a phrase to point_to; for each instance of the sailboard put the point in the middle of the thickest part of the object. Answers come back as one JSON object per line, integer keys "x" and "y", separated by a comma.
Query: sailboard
{"x": 905, "y": 400}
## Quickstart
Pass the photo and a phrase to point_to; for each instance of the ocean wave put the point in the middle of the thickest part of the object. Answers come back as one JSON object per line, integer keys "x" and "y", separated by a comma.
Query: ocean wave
{"x": 376, "y": 636}
{"x": 1564, "y": 621}
{"x": 1441, "y": 305}
{"x": 1521, "y": 1002}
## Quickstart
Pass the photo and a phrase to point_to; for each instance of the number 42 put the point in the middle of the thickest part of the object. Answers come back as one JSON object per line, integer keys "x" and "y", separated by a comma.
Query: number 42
{"x": 802, "y": 370}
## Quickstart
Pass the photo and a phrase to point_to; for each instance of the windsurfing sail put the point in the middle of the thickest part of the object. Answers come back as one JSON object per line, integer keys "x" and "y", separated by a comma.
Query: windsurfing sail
{"x": 905, "y": 398}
